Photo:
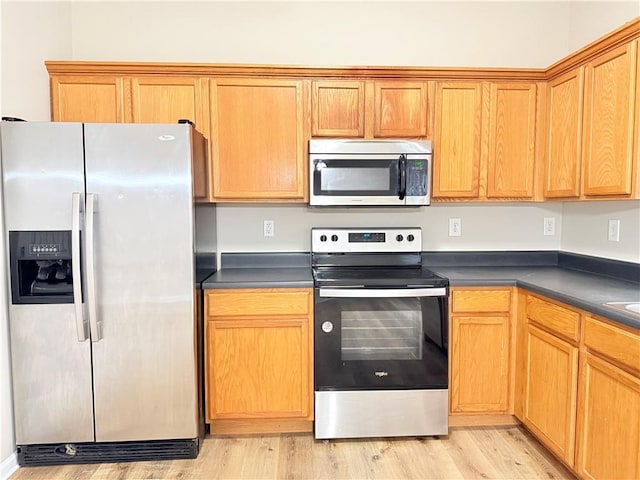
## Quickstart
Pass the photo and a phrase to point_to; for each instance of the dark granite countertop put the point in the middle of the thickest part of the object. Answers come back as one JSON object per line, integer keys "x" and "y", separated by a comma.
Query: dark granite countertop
{"x": 206, "y": 264}
{"x": 584, "y": 290}
{"x": 573, "y": 279}
{"x": 274, "y": 270}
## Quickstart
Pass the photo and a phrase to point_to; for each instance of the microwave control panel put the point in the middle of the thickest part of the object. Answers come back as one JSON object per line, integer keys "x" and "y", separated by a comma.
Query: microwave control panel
{"x": 416, "y": 178}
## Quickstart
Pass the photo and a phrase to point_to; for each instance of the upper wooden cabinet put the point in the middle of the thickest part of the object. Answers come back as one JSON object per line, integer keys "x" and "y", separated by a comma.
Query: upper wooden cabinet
{"x": 82, "y": 98}
{"x": 484, "y": 140}
{"x": 564, "y": 141}
{"x": 400, "y": 109}
{"x": 608, "y": 134}
{"x": 568, "y": 132}
{"x": 166, "y": 100}
{"x": 512, "y": 141}
{"x": 371, "y": 109}
{"x": 338, "y": 109}
{"x": 258, "y": 139}
{"x": 592, "y": 130}
{"x": 457, "y": 140}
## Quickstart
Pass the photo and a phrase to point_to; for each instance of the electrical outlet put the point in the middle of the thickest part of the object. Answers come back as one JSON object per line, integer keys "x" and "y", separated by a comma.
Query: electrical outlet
{"x": 614, "y": 231}
{"x": 455, "y": 227}
{"x": 549, "y": 226}
{"x": 268, "y": 228}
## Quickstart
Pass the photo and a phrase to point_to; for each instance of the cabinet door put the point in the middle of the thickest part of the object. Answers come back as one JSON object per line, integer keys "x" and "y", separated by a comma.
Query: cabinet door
{"x": 338, "y": 109}
{"x": 400, "y": 109}
{"x": 479, "y": 364}
{"x": 512, "y": 136}
{"x": 564, "y": 148}
{"x": 166, "y": 100}
{"x": 550, "y": 392}
{"x": 258, "y": 369}
{"x": 94, "y": 99}
{"x": 456, "y": 152}
{"x": 258, "y": 139}
{"x": 609, "y": 122}
{"x": 608, "y": 429}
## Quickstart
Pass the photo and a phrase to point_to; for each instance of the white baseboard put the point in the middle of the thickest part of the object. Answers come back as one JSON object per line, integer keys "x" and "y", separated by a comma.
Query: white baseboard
{"x": 9, "y": 466}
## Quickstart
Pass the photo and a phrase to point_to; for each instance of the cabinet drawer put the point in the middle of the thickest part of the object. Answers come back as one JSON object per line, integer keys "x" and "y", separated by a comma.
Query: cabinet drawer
{"x": 560, "y": 320}
{"x": 464, "y": 301}
{"x": 612, "y": 342}
{"x": 258, "y": 302}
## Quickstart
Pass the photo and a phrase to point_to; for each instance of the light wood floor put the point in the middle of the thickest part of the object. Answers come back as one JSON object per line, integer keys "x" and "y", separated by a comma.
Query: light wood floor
{"x": 481, "y": 452}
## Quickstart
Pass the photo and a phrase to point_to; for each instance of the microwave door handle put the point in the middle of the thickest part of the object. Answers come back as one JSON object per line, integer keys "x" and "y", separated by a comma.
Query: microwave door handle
{"x": 402, "y": 166}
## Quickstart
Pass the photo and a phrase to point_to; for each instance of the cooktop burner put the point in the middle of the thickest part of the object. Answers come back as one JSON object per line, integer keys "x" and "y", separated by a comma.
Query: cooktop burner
{"x": 370, "y": 257}
{"x": 377, "y": 277}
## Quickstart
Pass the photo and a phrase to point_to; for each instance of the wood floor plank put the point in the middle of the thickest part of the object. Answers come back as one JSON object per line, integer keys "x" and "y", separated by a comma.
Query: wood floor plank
{"x": 534, "y": 456}
{"x": 469, "y": 457}
{"x": 467, "y": 452}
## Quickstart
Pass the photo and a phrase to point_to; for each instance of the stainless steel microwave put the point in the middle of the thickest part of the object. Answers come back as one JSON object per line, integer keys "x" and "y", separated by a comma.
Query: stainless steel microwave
{"x": 369, "y": 172}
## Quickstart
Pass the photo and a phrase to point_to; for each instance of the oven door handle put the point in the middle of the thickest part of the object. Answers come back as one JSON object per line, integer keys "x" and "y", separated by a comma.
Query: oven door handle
{"x": 382, "y": 292}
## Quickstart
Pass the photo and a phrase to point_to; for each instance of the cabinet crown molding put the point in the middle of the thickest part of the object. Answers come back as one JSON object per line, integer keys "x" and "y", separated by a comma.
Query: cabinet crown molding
{"x": 625, "y": 33}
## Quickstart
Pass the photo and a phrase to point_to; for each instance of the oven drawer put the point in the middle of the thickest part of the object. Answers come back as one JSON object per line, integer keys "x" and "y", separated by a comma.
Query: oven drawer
{"x": 258, "y": 302}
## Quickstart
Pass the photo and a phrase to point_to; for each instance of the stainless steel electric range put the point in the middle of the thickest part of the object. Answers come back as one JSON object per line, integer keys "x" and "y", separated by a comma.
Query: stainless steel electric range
{"x": 381, "y": 335}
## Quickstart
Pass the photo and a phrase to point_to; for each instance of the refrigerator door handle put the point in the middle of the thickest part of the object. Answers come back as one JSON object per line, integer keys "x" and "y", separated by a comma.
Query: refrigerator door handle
{"x": 91, "y": 274}
{"x": 75, "y": 266}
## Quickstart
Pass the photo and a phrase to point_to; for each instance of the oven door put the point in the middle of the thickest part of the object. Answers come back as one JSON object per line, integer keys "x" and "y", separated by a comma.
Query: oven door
{"x": 337, "y": 180}
{"x": 382, "y": 338}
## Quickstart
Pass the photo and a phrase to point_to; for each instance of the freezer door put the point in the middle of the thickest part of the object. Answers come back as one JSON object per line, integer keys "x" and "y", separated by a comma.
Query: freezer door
{"x": 144, "y": 346}
{"x": 42, "y": 166}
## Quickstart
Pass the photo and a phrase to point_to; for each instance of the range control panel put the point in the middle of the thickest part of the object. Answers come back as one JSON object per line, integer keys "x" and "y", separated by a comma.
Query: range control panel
{"x": 347, "y": 240}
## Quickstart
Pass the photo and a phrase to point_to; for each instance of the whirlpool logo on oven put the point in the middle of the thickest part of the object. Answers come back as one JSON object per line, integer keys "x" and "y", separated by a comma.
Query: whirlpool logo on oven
{"x": 381, "y": 374}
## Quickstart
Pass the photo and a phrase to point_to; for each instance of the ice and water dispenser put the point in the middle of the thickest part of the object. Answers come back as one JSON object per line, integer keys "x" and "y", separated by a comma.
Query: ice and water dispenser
{"x": 40, "y": 267}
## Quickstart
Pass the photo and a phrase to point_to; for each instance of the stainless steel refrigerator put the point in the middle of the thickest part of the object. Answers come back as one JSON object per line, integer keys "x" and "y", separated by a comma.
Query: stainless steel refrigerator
{"x": 105, "y": 345}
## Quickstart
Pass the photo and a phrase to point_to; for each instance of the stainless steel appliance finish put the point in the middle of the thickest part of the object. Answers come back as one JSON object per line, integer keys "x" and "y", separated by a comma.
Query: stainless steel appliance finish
{"x": 381, "y": 335}
{"x": 386, "y": 413}
{"x": 121, "y": 365}
{"x": 369, "y": 172}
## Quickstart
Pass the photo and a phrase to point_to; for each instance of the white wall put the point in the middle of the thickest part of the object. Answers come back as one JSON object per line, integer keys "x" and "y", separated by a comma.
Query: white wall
{"x": 484, "y": 227}
{"x": 497, "y": 34}
{"x": 30, "y": 32}
{"x": 585, "y": 228}
{"x": 589, "y": 21}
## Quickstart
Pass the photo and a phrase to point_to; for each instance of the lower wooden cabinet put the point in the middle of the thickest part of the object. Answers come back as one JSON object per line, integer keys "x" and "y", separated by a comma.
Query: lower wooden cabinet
{"x": 550, "y": 383}
{"x": 608, "y": 430}
{"x": 258, "y": 360}
{"x": 578, "y": 387}
{"x": 480, "y": 350}
{"x": 608, "y": 421}
{"x": 550, "y": 391}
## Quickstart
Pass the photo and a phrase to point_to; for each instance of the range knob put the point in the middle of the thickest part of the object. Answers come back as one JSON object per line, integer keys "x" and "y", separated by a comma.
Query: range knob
{"x": 399, "y": 238}
{"x": 410, "y": 237}
{"x": 334, "y": 238}
{"x": 323, "y": 238}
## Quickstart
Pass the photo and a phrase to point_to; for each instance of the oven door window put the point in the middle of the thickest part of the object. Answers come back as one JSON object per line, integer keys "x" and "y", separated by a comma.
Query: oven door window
{"x": 356, "y": 177}
{"x": 370, "y": 335}
{"x": 381, "y": 343}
